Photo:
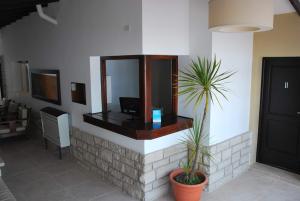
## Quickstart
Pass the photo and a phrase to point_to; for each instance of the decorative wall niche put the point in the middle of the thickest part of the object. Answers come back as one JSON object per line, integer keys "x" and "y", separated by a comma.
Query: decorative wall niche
{"x": 131, "y": 87}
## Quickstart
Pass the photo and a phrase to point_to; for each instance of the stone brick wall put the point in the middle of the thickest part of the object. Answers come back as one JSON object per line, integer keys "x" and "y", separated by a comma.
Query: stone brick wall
{"x": 158, "y": 166}
{"x": 114, "y": 163}
{"x": 144, "y": 177}
{"x": 230, "y": 159}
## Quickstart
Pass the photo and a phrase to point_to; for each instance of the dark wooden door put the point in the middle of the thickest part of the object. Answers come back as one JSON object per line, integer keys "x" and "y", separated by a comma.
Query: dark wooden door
{"x": 279, "y": 129}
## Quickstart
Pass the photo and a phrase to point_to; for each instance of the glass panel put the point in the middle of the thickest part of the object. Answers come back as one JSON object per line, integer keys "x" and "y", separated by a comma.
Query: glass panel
{"x": 162, "y": 85}
{"x": 123, "y": 86}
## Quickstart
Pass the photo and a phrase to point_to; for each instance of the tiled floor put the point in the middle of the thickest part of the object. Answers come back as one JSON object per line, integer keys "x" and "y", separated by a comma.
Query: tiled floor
{"x": 260, "y": 183}
{"x": 34, "y": 174}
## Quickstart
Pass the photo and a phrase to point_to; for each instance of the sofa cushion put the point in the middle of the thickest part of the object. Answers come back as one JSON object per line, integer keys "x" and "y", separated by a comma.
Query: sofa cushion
{"x": 4, "y": 129}
{"x": 5, "y": 194}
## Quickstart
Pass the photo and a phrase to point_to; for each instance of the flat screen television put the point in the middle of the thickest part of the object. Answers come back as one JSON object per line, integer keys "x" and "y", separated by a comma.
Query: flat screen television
{"x": 45, "y": 85}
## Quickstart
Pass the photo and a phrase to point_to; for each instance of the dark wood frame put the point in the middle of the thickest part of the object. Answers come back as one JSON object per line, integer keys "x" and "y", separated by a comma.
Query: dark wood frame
{"x": 145, "y": 81}
{"x": 261, "y": 112}
{"x": 136, "y": 129}
{"x": 40, "y": 71}
{"x": 296, "y": 5}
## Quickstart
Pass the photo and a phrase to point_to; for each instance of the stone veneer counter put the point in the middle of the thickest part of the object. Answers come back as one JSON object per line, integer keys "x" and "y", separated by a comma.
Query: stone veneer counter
{"x": 230, "y": 158}
{"x": 145, "y": 176}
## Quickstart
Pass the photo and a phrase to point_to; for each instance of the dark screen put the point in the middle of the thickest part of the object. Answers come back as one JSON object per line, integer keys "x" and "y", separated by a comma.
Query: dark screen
{"x": 45, "y": 86}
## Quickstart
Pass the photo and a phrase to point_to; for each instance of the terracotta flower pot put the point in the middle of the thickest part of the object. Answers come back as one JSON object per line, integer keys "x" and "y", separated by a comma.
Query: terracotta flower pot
{"x": 184, "y": 192}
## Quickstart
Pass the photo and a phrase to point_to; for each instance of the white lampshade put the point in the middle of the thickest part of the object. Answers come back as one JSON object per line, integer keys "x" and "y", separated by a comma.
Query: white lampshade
{"x": 241, "y": 15}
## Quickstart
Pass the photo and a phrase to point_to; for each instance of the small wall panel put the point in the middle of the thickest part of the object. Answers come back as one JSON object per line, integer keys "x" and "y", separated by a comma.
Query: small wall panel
{"x": 78, "y": 93}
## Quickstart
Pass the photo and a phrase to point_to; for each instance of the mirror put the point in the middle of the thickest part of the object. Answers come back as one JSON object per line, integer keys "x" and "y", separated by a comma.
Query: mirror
{"x": 122, "y": 85}
{"x": 161, "y": 71}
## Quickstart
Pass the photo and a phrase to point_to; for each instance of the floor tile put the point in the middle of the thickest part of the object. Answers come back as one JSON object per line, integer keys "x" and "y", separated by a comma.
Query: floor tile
{"x": 35, "y": 174}
{"x": 114, "y": 196}
{"x": 33, "y": 191}
{"x": 91, "y": 190}
{"x": 73, "y": 177}
{"x": 58, "y": 167}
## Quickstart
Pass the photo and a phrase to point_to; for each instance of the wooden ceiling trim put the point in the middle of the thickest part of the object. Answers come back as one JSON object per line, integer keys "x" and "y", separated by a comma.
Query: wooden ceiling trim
{"x": 13, "y": 10}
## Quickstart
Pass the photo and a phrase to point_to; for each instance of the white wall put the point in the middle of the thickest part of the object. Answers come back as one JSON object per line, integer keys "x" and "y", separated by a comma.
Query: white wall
{"x": 281, "y": 7}
{"x": 84, "y": 30}
{"x": 235, "y": 51}
{"x": 166, "y": 27}
{"x": 98, "y": 28}
{"x": 164, "y": 142}
{"x": 200, "y": 37}
{"x": 200, "y": 44}
{"x": 95, "y": 85}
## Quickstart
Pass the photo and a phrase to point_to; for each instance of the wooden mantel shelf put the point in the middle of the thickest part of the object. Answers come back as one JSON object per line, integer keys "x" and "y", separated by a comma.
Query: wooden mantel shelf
{"x": 124, "y": 124}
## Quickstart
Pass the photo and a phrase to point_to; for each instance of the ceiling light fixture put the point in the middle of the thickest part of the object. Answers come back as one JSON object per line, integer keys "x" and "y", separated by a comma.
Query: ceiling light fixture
{"x": 241, "y": 15}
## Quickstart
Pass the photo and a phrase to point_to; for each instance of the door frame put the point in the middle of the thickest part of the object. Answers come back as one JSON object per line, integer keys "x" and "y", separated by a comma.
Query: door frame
{"x": 261, "y": 109}
{"x": 263, "y": 97}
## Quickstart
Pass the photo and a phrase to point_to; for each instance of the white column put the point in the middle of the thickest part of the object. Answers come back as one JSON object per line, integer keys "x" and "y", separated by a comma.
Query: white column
{"x": 95, "y": 75}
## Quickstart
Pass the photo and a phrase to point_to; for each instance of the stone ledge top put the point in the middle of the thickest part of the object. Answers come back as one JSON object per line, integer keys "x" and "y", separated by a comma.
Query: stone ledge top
{"x": 137, "y": 129}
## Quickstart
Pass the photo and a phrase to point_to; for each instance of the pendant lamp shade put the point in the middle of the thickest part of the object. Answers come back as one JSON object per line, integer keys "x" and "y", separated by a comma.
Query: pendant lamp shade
{"x": 241, "y": 15}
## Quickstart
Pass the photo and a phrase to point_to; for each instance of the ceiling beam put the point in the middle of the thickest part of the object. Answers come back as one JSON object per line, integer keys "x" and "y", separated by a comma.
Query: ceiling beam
{"x": 16, "y": 12}
{"x": 12, "y": 18}
{"x": 13, "y": 10}
{"x": 17, "y": 7}
{"x": 296, "y": 4}
{"x": 22, "y": 3}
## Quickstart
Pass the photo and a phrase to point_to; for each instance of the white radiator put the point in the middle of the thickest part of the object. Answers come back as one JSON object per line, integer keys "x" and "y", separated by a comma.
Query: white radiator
{"x": 55, "y": 124}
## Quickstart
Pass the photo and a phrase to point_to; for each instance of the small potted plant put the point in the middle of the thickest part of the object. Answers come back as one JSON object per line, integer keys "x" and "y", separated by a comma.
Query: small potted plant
{"x": 201, "y": 83}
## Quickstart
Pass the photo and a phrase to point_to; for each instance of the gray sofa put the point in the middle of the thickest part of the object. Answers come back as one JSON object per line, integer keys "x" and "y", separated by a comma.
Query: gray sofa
{"x": 5, "y": 194}
{"x": 15, "y": 123}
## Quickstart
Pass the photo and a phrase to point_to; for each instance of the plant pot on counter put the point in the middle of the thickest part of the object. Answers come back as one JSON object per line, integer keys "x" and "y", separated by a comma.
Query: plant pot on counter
{"x": 184, "y": 192}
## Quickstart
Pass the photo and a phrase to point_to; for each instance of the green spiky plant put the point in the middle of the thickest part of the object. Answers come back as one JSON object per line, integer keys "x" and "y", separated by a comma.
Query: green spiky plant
{"x": 202, "y": 81}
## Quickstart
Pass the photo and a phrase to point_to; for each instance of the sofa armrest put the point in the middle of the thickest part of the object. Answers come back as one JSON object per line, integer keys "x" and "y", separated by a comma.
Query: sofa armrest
{"x": 1, "y": 165}
{"x": 12, "y": 124}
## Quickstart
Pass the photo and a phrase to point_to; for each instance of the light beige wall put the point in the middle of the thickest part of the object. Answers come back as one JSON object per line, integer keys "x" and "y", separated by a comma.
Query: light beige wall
{"x": 283, "y": 40}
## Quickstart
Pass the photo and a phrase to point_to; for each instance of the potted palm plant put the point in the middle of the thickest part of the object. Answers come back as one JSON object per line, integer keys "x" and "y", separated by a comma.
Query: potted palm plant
{"x": 201, "y": 84}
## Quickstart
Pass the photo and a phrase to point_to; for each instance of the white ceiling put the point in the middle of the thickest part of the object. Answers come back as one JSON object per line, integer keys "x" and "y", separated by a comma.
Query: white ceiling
{"x": 283, "y": 6}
